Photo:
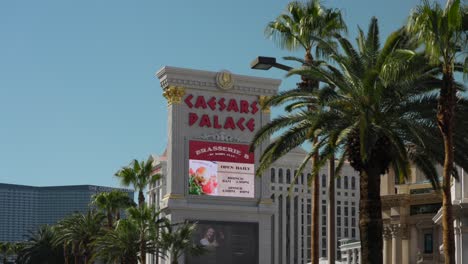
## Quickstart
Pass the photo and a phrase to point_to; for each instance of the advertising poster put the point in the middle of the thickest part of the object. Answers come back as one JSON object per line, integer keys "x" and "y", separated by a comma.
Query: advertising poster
{"x": 221, "y": 169}
{"x": 226, "y": 243}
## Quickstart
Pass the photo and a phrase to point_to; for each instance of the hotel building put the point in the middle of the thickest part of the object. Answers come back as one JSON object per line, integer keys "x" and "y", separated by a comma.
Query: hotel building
{"x": 25, "y": 208}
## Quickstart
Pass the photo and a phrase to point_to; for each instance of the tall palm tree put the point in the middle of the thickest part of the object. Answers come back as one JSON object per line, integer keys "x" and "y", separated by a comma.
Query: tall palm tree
{"x": 379, "y": 112}
{"x": 306, "y": 26}
{"x": 138, "y": 175}
{"x": 176, "y": 239}
{"x": 79, "y": 232}
{"x": 112, "y": 203}
{"x": 40, "y": 248}
{"x": 119, "y": 245}
{"x": 443, "y": 32}
{"x": 147, "y": 221}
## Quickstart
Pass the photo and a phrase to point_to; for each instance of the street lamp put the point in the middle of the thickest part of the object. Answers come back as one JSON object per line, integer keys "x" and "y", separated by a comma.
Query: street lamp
{"x": 265, "y": 63}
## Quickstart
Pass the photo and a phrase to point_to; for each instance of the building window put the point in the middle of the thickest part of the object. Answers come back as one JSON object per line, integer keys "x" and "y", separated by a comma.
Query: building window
{"x": 428, "y": 243}
{"x": 272, "y": 175}
{"x": 338, "y": 183}
{"x": 324, "y": 231}
{"x": 324, "y": 181}
{"x": 280, "y": 175}
{"x": 353, "y": 211}
{"x": 346, "y": 221}
{"x": 353, "y": 233}
{"x": 324, "y": 220}
{"x": 346, "y": 182}
{"x": 353, "y": 183}
{"x": 353, "y": 222}
{"x": 338, "y": 221}
{"x": 346, "y": 234}
{"x": 324, "y": 209}
{"x": 288, "y": 176}
{"x": 346, "y": 211}
{"x": 338, "y": 210}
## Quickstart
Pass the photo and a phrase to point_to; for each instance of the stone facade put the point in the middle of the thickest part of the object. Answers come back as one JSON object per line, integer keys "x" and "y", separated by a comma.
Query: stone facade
{"x": 215, "y": 107}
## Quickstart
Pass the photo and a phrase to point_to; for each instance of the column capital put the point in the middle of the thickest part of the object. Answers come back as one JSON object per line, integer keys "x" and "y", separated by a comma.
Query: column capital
{"x": 387, "y": 232}
{"x": 261, "y": 101}
{"x": 174, "y": 94}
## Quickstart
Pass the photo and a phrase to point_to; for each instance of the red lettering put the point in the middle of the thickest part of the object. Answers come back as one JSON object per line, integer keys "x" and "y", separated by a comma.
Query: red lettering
{"x": 200, "y": 103}
{"x": 188, "y": 100}
{"x": 216, "y": 122}
{"x": 229, "y": 123}
{"x": 251, "y": 124}
{"x": 232, "y": 106}
{"x": 221, "y": 104}
{"x": 205, "y": 121}
{"x": 212, "y": 103}
{"x": 254, "y": 107}
{"x": 240, "y": 123}
{"x": 244, "y": 106}
{"x": 192, "y": 118}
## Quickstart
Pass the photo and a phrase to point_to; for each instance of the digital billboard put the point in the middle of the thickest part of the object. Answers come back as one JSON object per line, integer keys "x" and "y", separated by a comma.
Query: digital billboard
{"x": 221, "y": 169}
{"x": 226, "y": 242}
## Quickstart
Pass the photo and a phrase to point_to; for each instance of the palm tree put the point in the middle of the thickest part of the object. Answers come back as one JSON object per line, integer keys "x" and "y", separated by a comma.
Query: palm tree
{"x": 79, "y": 232}
{"x": 443, "y": 32}
{"x": 5, "y": 250}
{"x": 40, "y": 248}
{"x": 139, "y": 175}
{"x": 111, "y": 203}
{"x": 307, "y": 26}
{"x": 378, "y": 111}
{"x": 147, "y": 221}
{"x": 119, "y": 245}
{"x": 176, "y": 239}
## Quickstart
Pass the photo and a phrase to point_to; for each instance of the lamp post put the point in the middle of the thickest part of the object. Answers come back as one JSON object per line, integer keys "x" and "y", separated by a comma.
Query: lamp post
{"x": 265, "y": 63}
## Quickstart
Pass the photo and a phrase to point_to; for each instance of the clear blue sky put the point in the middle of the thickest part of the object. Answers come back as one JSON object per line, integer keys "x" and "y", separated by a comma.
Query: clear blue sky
{"x": 78, "y": 94}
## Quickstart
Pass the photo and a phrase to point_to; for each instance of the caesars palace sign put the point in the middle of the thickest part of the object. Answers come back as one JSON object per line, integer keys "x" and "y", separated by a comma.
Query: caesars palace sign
{"x": 220, "y": 104}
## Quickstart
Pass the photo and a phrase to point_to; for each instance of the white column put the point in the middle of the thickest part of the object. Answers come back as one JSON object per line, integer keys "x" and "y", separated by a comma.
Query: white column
{"x": 299, "y": 225}
{"x": 354, "y": 260}
{"x": 387, "y": 237}
{"x": 405, "y": 253}
{"x": 283, "y": 228}
{"x": 276, "y": 247}
{"x": 396, "y": 245}
{"x": 291, "y": 226}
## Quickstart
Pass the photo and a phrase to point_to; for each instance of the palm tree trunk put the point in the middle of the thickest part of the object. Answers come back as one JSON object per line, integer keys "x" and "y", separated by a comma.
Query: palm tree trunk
{"x": 109, "y": 219}
{"x": 141, "y": 198}
{"x": 445, "y": 117}
{"x": 331, "y": 246}
{"x": 142, "y": 251}
{"x": 314, "y": 229}
{"x": 370, "y": 217}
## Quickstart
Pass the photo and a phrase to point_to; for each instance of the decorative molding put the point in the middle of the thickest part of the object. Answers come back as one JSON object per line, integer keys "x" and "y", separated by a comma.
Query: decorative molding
{"x": 387, "y": 232}
{"x": 221, "y": 136}
{"x": 174, "y": 94}
{"x": 206, "y": 80}
{"x": 173, "y": 196}
{"x": 261, "y": 100}
{"x": 224, "y": 80}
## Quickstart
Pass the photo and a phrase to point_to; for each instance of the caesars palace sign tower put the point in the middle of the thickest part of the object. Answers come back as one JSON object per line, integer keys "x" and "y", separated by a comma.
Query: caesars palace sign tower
{"x": 209, "y": 172}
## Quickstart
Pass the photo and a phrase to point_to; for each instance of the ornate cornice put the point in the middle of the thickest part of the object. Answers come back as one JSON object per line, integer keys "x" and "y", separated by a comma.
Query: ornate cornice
{"x": 206, "y": 80}
{"x": 221, "y": 136}
{"x": 174, "y": 94}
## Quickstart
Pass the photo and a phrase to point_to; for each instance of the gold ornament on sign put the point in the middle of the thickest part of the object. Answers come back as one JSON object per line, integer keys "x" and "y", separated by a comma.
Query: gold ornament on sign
{"x": 261, "y": 101}
{"x": 224, "y": 80}
{"x": 174, "y": 94}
